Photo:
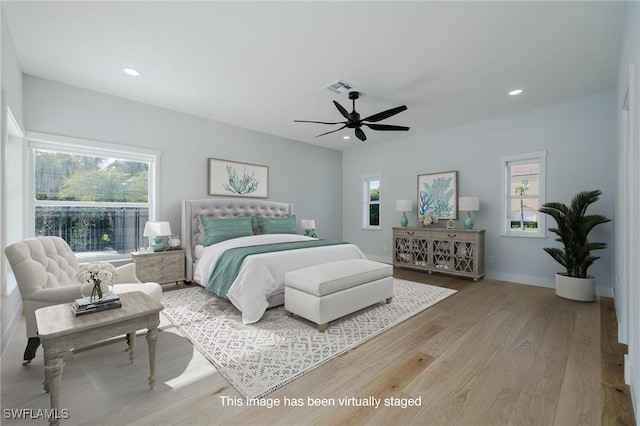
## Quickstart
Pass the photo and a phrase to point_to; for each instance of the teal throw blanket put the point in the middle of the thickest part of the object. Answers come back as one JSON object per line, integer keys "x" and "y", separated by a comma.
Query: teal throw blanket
{"x": 228, "y": 265}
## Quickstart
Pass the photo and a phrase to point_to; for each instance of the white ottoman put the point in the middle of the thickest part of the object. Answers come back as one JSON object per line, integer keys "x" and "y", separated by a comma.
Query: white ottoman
{"x": 325, "y": 292}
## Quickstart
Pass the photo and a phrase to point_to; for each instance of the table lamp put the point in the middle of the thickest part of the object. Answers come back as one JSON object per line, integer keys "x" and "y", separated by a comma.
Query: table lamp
{"x": 404, "y": 206}
{"x": 157, "y": 230}
{"x": 468, "y": 204}
{"x": 309, "y": 226}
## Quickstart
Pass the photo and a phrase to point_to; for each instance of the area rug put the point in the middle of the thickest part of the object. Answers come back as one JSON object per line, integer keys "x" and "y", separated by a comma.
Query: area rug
{"x": 259, "y": 358}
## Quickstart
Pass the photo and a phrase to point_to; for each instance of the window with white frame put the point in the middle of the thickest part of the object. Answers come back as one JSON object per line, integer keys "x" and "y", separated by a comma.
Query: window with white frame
{"x": 96, "y": 196}
{"x": 371, "y": 201}
{"x": 523, "y": 193}
{"x": 13, "y": 192}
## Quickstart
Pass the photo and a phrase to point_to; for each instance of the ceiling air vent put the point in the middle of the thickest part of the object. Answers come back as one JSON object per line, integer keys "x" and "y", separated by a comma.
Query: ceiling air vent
{"x": 340, "y": 86}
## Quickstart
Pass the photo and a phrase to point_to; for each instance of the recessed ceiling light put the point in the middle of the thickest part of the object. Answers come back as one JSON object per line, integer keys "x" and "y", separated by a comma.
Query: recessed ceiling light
{"x": 132, "y": 72}
{"x": 515, "y": 92}
{"x": 346, "y": 137}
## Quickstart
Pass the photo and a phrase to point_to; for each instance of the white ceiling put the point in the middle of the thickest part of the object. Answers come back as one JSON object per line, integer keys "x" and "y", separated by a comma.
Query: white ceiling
{"x": 260, "y": 65}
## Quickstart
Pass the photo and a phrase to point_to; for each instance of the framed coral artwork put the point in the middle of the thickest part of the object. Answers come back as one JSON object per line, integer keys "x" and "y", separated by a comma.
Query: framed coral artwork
{"x": 236, "y": 179}
{"x": 438, "y": 195}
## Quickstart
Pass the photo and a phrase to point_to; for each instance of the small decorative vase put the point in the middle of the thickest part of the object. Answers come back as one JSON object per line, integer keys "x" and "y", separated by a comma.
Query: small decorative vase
{"x": 95, "y": 291}
{"x": 158, "y": 243}
{"x": 468, "y": 221}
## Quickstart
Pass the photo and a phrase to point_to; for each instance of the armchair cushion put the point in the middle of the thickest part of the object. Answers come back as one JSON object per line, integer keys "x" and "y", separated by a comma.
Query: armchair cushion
{"x": 41, "y": 263}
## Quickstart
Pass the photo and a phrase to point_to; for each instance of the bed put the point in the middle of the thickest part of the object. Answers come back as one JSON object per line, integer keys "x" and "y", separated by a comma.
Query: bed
{"x": 259, "y": 283}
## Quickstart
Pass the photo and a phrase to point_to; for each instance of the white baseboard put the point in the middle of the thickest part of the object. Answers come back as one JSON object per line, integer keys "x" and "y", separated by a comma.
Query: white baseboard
{"x": 523, "y": 279}
{"x": 632, "y": 378}
{"x": 604, "y": 291}
{"x": 514, "y": 278}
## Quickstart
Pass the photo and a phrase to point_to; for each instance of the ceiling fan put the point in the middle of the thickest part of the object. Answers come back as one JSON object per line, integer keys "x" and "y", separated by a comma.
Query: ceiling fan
{"x": 355, "y": 122}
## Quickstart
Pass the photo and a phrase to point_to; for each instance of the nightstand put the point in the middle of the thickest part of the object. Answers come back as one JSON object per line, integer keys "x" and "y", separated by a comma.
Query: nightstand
{"x": 160, "y": 267}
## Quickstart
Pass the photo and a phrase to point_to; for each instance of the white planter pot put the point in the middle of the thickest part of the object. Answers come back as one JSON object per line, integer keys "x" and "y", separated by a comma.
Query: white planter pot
{"x": 580, "y": 289}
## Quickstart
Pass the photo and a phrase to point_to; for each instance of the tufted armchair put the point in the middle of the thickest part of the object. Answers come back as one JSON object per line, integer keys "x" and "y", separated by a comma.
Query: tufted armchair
{"x": 45, "y": 269}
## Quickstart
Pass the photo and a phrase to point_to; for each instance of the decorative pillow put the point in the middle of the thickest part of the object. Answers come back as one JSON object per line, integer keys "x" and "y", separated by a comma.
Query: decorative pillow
{"x": 200, "y": 235}
{"x": 277, "y": 225}
{"x": 220, "y": 229}
{"x": 256, "y": 227}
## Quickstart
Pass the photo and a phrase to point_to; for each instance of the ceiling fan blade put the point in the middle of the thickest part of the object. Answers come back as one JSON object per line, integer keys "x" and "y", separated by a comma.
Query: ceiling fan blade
{"x": 385, "y": 126}
{"x": 360, "y": 134}
{"x": 319, "y": 122}
{"x": 343, "y": 111}
{"x": 333, "y": 131}
{"x": 385, "y": 114}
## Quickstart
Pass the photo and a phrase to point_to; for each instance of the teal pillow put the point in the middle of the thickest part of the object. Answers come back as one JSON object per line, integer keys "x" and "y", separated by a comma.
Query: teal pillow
{"x": 221, "y": 229}
{"x": 277, "y": 225}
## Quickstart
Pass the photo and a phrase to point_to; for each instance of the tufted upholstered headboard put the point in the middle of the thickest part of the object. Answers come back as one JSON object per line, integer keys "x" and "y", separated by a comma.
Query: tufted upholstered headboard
{"x": 222, "y": 207}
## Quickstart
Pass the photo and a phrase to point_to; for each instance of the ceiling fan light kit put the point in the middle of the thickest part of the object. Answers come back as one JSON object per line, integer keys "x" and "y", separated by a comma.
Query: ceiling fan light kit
{"x": 355, "y": 122}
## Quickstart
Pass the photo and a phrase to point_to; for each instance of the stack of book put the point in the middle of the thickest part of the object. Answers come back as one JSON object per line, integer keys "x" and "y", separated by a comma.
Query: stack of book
{"x": 86, "y": 305}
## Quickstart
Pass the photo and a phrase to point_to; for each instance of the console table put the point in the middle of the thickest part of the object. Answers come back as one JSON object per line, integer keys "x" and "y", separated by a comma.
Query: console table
{"x": 451, "y": 251}
{"x": 60, "y": 330}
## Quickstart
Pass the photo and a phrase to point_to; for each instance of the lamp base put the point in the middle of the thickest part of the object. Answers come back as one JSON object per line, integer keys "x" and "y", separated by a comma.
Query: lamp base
{"x": 468, "y": 221}
{"x": 158, "y": 244}
{"x": 403, "y": 220}
{"x": 310, "y": 233}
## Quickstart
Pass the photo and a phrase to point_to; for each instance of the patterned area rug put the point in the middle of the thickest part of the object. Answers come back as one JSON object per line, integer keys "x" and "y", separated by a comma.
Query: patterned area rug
{"x": 259, "y": 358}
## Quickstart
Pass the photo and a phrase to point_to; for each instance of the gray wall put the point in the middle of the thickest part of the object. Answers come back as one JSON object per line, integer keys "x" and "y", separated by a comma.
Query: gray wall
{"x": 11, "y": 79}
{"x": 627, "y": 235}
{"x": 310, "y": 177}
{"x": 580, "y": 138}
{"x": 11, "y": 74}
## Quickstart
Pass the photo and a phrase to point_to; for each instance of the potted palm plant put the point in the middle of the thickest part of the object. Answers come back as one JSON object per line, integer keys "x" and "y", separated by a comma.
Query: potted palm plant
{"x": 574, "y": 225}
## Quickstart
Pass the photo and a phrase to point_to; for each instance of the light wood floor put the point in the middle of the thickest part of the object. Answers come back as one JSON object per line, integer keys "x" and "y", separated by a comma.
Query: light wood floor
{"x": 494, "y": 353}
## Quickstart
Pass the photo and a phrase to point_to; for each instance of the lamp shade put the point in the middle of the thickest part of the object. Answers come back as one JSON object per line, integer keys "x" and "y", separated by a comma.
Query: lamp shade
{"x": 404, "y": 205}
{"x": 157, "y": 229}
{"x": 469, "y": 204}
{"x": 308, "y": 224}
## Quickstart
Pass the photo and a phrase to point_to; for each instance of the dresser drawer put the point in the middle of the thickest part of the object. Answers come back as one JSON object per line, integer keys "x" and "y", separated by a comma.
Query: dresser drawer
{"x": 412, "y": 233}
{"x": 457, "y": 236}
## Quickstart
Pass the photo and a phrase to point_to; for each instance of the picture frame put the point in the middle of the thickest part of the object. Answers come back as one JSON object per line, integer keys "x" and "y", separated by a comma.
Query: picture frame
{"x": 438, "y": 194}
{"x": 236, "y": 179}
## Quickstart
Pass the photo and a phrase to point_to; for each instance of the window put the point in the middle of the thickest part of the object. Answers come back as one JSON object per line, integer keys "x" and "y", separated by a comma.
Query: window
{"x": 371, "y": 204}
{"x": 96, "y": 196}
{"x": 13, "y": 187}
{"x": 523, "y": 189}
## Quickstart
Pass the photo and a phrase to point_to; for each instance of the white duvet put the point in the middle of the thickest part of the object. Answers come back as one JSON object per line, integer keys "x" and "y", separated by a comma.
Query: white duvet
{"x": 262, "y": 275}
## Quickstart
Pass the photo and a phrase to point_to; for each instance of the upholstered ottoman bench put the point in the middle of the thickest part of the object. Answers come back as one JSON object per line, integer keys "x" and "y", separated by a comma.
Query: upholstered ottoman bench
{"x": 326, "y": 292}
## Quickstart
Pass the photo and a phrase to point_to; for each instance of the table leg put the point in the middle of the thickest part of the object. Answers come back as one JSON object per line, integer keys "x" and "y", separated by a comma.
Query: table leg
{"x": 152, "y": 338}
{"x": 132, "y": 346}
{"x": 53, "y": 364}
